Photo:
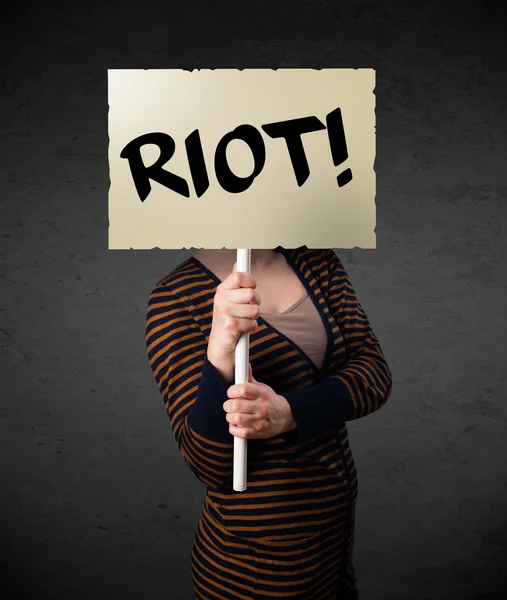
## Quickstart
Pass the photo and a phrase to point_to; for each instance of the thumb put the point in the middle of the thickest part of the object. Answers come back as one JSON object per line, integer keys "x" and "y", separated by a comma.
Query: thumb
{"x": 235, "y": 267}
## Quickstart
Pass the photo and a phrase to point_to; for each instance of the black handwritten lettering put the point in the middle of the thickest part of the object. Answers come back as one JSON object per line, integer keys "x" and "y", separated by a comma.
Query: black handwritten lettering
{"x": 196, "y": 163}
{"x": 226, "y": 178}
{"x": 292, "y": 130}
{"x": 338, "y": 144}
{"x": 142, "y": 174}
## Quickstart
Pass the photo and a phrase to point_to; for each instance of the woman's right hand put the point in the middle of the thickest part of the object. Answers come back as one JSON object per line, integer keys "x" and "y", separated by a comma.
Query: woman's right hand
{"x": 235, "y": 311}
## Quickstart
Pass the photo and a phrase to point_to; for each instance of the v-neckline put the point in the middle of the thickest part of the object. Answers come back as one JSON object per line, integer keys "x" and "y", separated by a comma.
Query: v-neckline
{"x": 302, "y": 277}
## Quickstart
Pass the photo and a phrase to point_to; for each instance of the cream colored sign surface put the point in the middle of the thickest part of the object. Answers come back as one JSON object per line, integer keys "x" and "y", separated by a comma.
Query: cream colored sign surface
{"x": 251, "y": 158}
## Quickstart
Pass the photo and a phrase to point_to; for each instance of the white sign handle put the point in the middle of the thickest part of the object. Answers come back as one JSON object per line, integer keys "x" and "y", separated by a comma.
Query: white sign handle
{"x": 241, "y": 376}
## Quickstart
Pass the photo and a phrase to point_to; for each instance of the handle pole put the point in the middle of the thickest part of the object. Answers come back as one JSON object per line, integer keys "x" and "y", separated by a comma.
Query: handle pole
{"x": 241, "y": 376}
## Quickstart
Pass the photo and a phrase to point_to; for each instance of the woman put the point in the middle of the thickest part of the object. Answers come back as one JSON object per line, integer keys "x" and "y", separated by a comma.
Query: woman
{"x": 315, "y": 364}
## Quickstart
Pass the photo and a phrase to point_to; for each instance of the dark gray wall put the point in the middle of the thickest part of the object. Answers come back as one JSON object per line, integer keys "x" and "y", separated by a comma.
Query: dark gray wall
{"x": 95, "y": 500}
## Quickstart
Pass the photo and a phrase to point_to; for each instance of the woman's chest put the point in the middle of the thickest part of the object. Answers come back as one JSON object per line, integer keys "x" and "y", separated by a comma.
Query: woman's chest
{"x": 297, "y": 324}
{"x": 277, "y": 294}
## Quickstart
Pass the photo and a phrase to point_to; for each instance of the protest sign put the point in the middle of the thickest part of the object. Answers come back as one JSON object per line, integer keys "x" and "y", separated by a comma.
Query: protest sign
{"x": 251, "y": 158}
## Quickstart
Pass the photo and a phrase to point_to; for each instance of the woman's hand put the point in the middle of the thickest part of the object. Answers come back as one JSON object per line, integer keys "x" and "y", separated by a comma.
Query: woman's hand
{"x": 255, "y": 410}
{"x": 235, "y": 311}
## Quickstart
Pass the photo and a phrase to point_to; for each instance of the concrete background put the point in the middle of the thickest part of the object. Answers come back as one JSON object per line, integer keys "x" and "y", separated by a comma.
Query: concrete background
{"x": 96, "y": 502}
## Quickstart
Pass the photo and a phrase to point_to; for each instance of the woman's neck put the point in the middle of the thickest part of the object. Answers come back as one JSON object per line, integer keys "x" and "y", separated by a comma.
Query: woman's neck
{"x": 260, "y": 259}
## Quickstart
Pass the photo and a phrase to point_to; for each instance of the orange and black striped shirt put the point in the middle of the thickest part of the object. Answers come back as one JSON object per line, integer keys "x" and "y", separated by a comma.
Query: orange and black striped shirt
{"x": 290, "y": 534}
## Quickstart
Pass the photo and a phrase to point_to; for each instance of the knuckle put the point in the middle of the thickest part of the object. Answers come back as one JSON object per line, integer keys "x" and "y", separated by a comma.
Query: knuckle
{"x": 230, "y": 323}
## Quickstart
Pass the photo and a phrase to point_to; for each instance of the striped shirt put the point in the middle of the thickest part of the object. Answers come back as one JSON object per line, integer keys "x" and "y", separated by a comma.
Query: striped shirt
{"x": 291, "y": 533}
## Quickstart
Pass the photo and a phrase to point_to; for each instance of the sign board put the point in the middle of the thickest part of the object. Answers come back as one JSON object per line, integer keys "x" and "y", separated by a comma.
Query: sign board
{"x": 252, "y": 158}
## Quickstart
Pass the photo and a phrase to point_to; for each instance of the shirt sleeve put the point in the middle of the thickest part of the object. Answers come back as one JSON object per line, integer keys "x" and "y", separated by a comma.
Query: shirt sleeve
{"x": 192, "y": 389}
{"x": 362, "y": 385}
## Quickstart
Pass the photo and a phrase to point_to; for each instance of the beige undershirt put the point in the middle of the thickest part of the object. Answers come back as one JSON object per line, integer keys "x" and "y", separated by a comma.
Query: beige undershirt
{"x": 302, "y": 324}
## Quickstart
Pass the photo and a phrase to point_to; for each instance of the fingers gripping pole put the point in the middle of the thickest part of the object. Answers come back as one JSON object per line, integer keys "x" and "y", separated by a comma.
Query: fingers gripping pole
{"x": 241, "y": 376}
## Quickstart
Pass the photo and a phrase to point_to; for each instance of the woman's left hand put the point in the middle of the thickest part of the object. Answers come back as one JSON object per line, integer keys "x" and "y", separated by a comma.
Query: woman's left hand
{"x": 255, "y": 410}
